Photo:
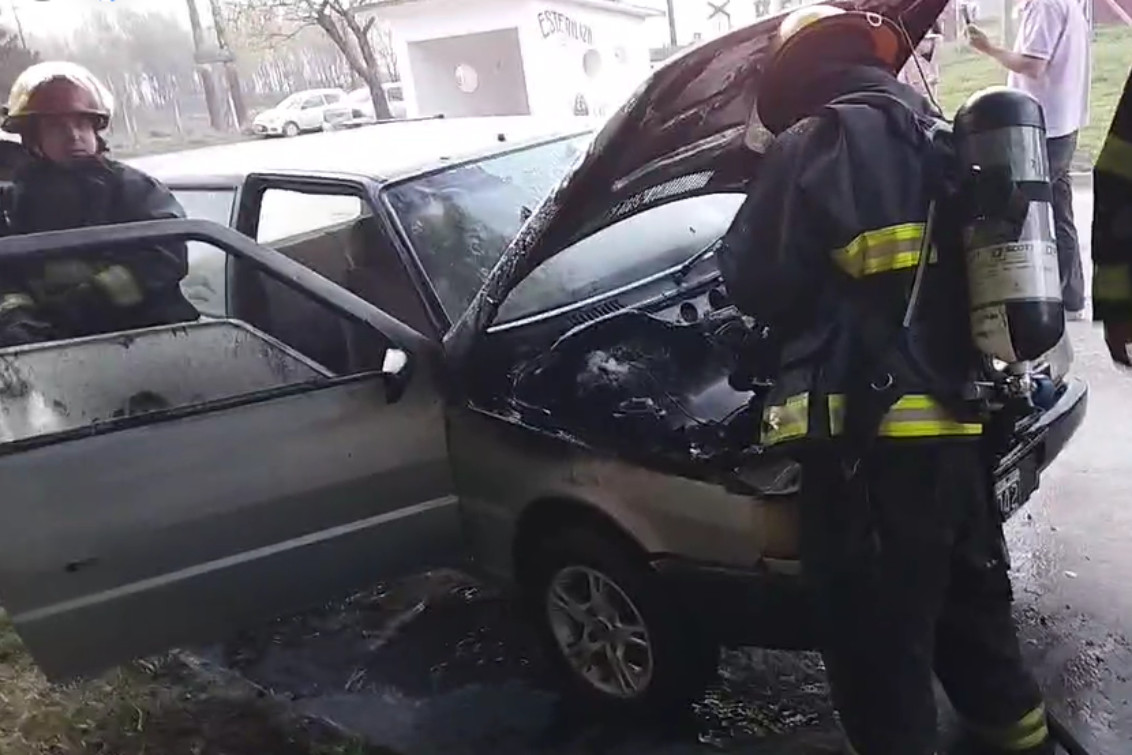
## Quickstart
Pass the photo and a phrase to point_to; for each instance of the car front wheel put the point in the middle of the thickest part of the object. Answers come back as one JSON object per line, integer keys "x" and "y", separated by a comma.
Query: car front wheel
{"x": 290, "y": 129}
{"x": 615, "y": 638}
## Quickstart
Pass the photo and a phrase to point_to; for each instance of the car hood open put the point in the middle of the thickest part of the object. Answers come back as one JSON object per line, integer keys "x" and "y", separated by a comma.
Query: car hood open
{"x": 689, "y": 129}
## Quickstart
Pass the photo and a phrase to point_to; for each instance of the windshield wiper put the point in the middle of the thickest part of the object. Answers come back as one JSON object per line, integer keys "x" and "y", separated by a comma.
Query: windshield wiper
{"x": 680, "y": 273}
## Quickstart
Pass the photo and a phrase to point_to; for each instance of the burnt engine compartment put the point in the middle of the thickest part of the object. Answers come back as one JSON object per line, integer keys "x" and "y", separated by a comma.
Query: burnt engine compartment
{"x": 657, "y": 390}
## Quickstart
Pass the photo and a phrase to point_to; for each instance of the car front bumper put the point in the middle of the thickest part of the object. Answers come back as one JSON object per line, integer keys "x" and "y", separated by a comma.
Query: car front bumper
{"x": 264, "y": 129}
{"x": 767, "y": 607}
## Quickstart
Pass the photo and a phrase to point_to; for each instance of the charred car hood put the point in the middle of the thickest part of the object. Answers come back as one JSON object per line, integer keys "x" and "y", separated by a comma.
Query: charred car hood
{"x": 689, "y": 129}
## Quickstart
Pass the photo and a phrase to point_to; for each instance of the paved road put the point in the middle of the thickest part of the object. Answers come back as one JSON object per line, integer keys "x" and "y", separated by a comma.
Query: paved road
{"x": 437, "y": 665}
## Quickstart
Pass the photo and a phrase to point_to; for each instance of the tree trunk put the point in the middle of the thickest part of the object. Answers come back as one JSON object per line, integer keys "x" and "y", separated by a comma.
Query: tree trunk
{"x": 361, "y": 59}
{"x": 206, "y": 81}
{"x": 231, "y": 72}
{"x": 381, "y": 109}
{"x": 362, "y": 37}
{"x": 236, "y": 93}
{"x": 178, "y": 122}
{"x": 211, "y": 97}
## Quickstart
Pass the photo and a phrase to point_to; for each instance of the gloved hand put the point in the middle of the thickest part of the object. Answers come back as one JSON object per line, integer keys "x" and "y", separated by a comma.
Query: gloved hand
{"x": 76, "y": 307}
{"x": 1118, "y": 337}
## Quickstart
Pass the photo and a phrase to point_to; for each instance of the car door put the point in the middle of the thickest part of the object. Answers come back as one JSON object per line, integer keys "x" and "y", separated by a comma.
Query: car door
{"x": 310, "y": 113}
{"x": 134, "y": 532}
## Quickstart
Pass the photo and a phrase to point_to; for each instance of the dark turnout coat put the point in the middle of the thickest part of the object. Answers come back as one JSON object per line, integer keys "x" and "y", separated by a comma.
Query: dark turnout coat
{"x": 1112, "y": 219}
{"x": 824, "y": 251}
{"x": 84, "y": 294}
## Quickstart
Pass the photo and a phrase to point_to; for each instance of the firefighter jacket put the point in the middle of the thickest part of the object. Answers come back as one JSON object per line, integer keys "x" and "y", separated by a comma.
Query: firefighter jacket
{"x": 1112, "y": 218}
{"x": 824, "y": 251}
{"x": 126, "y": 287}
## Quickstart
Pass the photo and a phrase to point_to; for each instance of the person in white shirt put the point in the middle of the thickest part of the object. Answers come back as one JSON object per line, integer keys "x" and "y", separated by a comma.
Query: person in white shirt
{"x": 1051, "y": 61}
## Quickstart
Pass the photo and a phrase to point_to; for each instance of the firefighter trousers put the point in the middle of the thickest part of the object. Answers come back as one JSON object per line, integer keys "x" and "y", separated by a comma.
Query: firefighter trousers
{"x": 909, "y": 576}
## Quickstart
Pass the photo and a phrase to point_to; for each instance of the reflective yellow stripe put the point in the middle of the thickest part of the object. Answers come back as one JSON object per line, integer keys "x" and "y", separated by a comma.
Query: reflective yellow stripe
{"x": 120, "y": 285}
{"x": 1112, "y": 283}
{"x": 912, "y": 416}
{"x": 883, "y": 250}
{"x": 15, "y": 301}
{"x": 1024, "y": 734}
{"x": 918, "y": 416}
{"x": 1115, "y": 157}
{"x": 789, "y": 421}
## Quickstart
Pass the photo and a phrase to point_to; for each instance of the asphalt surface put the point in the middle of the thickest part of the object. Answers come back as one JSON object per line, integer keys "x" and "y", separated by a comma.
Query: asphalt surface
{"x": 438, "y": 664}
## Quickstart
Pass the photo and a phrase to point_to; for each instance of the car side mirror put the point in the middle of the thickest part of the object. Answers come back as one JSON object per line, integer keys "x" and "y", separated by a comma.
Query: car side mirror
{"x": 395, "y": 370}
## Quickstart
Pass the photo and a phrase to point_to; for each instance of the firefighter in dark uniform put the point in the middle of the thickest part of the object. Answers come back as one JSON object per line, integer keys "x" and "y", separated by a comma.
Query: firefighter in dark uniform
{"x": 901, "y": 547}
{"x": 58, "y": 109}
{"x": 1112, "y": 232}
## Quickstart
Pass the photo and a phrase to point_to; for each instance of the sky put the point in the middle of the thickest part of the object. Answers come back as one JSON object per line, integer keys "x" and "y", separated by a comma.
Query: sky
{"x": 49, "y": 17}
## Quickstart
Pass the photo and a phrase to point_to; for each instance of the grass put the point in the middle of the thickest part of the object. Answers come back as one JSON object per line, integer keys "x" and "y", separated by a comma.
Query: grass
{"x": 157, "y": 707}
{"x": 963, "y": 71}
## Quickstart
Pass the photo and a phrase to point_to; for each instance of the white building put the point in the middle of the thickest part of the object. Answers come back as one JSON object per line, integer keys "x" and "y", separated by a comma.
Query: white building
{"x": 517, "y": 57}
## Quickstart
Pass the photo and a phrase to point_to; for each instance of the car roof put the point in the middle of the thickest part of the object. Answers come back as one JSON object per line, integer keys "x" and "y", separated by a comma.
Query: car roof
{"x": 384, "y": 152}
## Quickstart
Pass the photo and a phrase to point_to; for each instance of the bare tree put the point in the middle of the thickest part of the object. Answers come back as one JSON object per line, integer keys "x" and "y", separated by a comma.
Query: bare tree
{"x": 342, "y": 21}
{"x": 386, "y": 53}
{"x": 14, "y": 58}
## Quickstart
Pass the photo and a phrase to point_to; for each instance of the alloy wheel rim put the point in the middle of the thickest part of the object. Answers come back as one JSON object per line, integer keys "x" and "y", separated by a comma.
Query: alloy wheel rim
{"x": 600, "y": 631}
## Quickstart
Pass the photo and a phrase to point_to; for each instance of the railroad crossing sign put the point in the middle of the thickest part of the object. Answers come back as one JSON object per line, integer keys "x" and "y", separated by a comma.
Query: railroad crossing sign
{"x": 718, "y": 10}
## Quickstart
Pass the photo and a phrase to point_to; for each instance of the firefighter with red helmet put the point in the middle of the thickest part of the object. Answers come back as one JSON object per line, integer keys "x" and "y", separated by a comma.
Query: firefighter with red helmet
{"x": 901, "y": 545}
{"x": 59, "y": 110}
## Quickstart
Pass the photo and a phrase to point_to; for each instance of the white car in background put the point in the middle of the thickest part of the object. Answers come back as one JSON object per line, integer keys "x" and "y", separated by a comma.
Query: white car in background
{"x": 298, "y": 113}
{"x": 357, "y": 109}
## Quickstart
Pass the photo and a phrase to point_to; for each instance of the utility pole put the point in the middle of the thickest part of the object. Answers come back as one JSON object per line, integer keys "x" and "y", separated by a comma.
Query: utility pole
{"x": 206, "y": 81}
{"x": 672, "y": 24}
{"x": 231, "y": 72}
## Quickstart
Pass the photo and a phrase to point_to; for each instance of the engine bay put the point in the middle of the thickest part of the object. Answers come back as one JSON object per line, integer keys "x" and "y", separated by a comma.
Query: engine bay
{"x": 675, "y": 383}
{"x": 670, "y": 386}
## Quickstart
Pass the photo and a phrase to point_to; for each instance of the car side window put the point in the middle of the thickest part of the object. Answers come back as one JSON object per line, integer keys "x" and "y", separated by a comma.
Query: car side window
{"x": 337, "y": 236}
{"x": 206, "y": 285}
{"x": 285, "y": 214}
{"x": 312, "y": 102}
{"x": 167, "y": 367}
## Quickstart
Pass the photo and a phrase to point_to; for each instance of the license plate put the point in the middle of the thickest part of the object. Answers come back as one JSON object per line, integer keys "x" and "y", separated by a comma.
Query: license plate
{"x": 1009, "y": 493}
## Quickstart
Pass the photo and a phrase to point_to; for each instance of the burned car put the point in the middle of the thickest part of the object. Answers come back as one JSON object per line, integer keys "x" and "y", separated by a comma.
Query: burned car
{"x": 521, "y": 361}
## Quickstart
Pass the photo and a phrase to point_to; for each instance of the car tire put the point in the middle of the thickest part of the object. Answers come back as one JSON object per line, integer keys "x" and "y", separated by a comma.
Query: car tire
{"x": 290, "y": 129}
{"x": 665, "y": 664}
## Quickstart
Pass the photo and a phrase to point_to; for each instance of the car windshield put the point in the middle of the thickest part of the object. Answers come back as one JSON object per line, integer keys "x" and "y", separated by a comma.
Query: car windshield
{"x": 461, "y": 219}
{"x": 292, "y": 101}
{"x": 623, "y": 254}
